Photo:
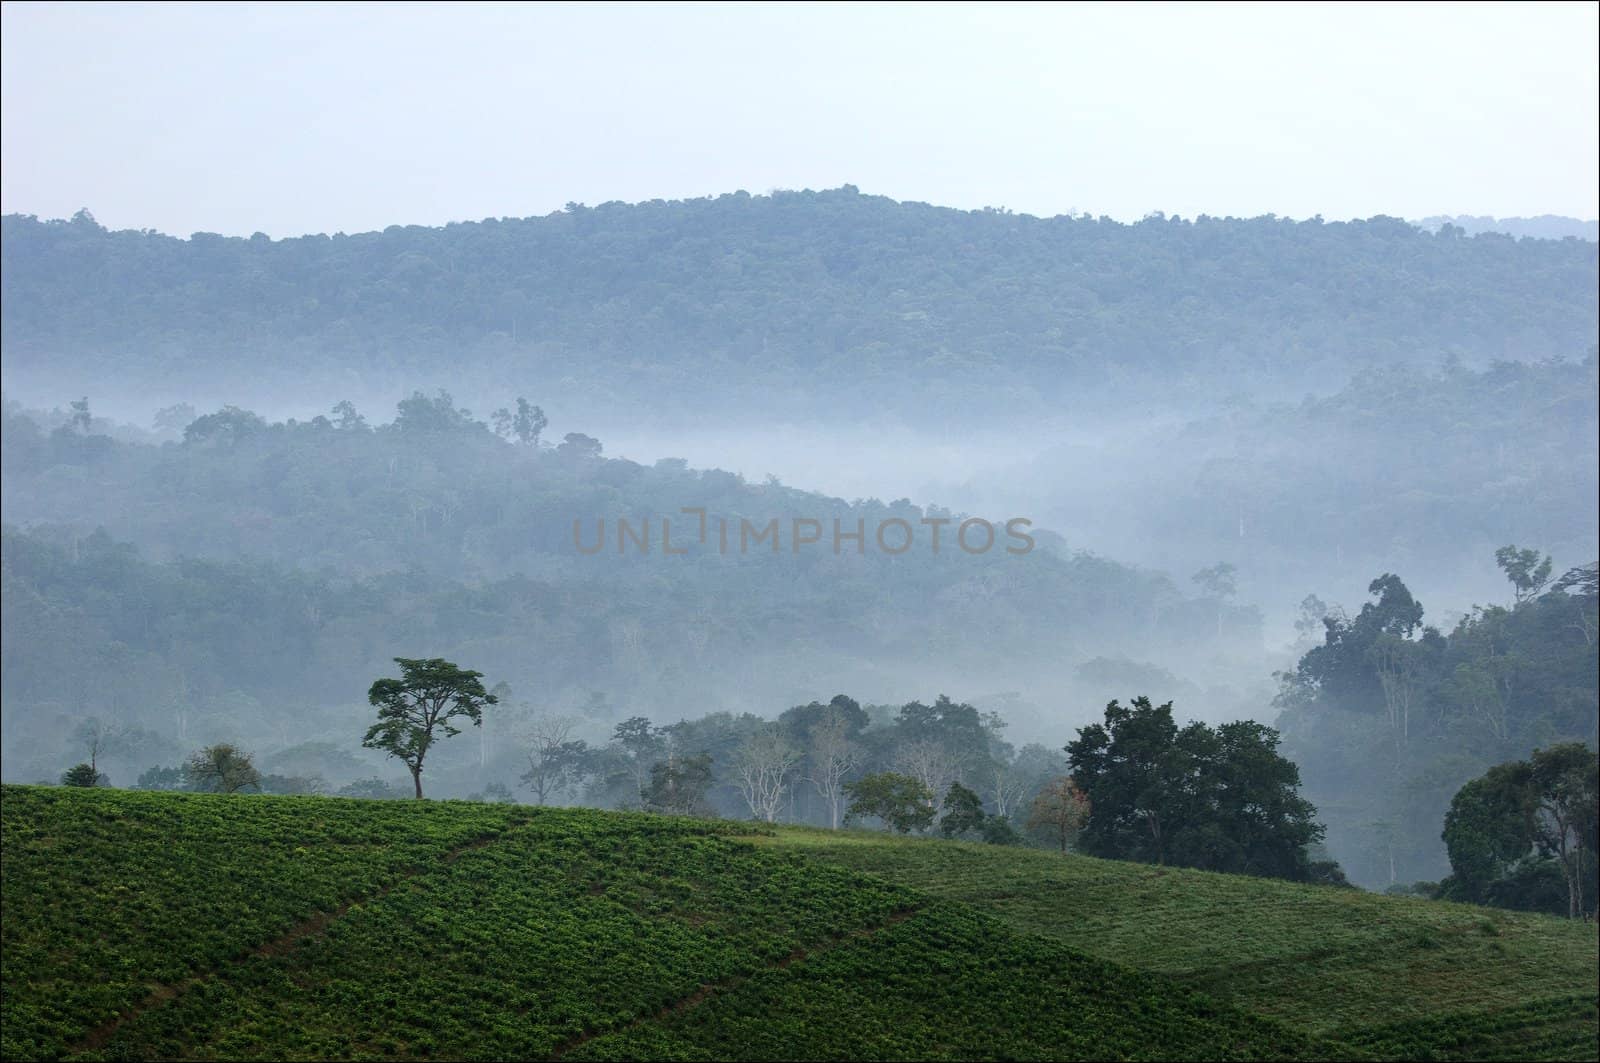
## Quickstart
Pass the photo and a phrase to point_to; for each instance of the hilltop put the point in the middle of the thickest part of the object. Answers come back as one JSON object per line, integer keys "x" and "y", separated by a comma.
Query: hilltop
{"x": 144, "y": 925}
{"x": 822, "y": 304}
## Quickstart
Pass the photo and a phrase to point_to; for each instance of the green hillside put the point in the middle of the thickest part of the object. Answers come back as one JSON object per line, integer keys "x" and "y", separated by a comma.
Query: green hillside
{"x": 1399, "y": 977}
{"x": 174, "y": 926}
{"x": 180, "y": 926}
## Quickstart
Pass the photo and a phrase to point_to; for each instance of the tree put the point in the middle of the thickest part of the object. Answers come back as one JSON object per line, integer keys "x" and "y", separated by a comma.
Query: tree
{"x": 902, "y": 802}
{"x": 576, "y": 445}
{"x": 1222, "y": 799}
{"x": 221, "y": 769}
{"x": 1060, "y": 811}
{"x": 415, "y": 710}
{"x": 1522, "y": 835}
{"x": 83, "y": 775}
{"x": 528, "y": 423}
{"x": 963, "y": 813}
{"x": 1526, "y": 570}
{"x": 763, "y": 765}
{"x": 82, "y": 421}
{"x": 833, "y": 757}
{"x": 1566, "y": 778}
{"x": 555, "y": 760}
{"x": 930, "y": 762}
{"x": 639, "y": 745}
{"x": 347, "y": 418}
{"x": 225, "y": 428}
{"x": 97, "y": 737}
{"x": 678, "y": 785}
{"x": 1219, "y": 583}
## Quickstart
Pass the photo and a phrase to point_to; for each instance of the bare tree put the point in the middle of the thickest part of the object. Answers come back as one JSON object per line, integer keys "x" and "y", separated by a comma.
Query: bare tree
{"x": 931, "y": 764}
{"x": 99, "y": 737}
{"x": 1006, "y": 785}
{"x": 833, "y": 756}
{"x": 763, "y": 766}
{"x": 554, "y": 759}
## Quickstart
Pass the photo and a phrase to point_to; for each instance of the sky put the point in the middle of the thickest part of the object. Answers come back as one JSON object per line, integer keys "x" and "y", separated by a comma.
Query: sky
{"x": 289, "y": 119}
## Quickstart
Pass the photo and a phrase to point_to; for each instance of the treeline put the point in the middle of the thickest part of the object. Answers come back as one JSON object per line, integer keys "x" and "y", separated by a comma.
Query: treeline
{"x": 811, "y": 302}
{"x": 1137, "y": 787}
{"x": 1391, "y": 716}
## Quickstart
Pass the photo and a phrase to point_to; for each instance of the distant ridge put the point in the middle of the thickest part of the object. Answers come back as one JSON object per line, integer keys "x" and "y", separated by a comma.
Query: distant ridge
{"x": 1543, "y": 227}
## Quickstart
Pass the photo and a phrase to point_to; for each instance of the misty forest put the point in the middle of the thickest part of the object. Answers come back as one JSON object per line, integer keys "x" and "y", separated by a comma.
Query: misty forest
{"x": 1254, "y": 546}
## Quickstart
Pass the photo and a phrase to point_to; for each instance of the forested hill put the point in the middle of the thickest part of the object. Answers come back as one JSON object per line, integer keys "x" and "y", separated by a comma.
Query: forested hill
{"x": 797, "y": 300}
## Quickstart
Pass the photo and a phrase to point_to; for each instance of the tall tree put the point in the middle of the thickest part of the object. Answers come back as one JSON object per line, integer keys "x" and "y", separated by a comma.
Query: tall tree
{"x": 1567, "y": 780}
{"x": 763, "y": 766}
{"x": 833, "y": 756}
{"x": 415, "y": 710}
{"x": 1526, "y": 570}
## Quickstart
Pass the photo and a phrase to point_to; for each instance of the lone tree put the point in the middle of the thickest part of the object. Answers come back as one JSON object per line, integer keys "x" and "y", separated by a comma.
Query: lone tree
{"x": 413, "y": 710}
{"x": 221, "y": 769}
{"x": 1526, "y": 570}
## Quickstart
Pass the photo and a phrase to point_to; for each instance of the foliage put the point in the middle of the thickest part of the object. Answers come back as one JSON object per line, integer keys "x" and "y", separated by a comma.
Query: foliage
{"x": 411, "y": 709}
{"x": 1217, "y": 798}
{"x": 1391, "y": 719}
{"x": 83, "y": 775}
{"x": 963, "y": 814}
{"x": 944, "y": 311}
{"x": 221, "y": 769}
{"x": 1523, "y": 834}
{"x": 1402, "y": 978}
{"x": 338, "y": 929}
{"x": 1060, "y": 811}
{"x": 904, "y": 804}
{"x": 678, "y": 785}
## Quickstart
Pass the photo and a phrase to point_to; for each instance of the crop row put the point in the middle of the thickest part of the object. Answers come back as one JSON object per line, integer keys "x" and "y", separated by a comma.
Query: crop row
{"x": 112, "y": 895}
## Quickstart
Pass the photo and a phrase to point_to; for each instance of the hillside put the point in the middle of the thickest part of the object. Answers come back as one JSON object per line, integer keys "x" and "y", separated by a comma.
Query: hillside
{"x": 141, "y": 926}
{"x": 824, "y": 304}
{"x": 161, "y": 926}
{"x": 1397, "y": 977}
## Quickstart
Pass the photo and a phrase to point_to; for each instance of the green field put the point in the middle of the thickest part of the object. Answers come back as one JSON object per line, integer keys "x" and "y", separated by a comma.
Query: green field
{"x": 186, "y": 926}
{"x": 1393, "y": 976}
{"x": 178, "y": 926}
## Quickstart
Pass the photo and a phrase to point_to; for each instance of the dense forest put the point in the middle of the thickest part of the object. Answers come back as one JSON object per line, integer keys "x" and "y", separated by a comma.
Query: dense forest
{"x": 256, "y": 574}
{"x": 1389, "y": 717}
{"x": 824, "y": 305}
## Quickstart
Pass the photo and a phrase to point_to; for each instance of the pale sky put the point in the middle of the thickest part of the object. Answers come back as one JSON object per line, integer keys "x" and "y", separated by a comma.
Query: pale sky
{"x": 320, "y": 118}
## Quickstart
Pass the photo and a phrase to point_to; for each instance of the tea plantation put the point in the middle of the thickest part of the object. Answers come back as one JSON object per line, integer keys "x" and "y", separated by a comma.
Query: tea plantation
{"x": 187, "y": 926}
{"x": 183, "y": 926}
{"x": 1393, "y": 977}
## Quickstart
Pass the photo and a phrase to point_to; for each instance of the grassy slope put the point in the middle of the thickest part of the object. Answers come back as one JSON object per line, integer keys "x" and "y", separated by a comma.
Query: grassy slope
{"x": 142, "y": 925}
{"x": 1395, "y": 976}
